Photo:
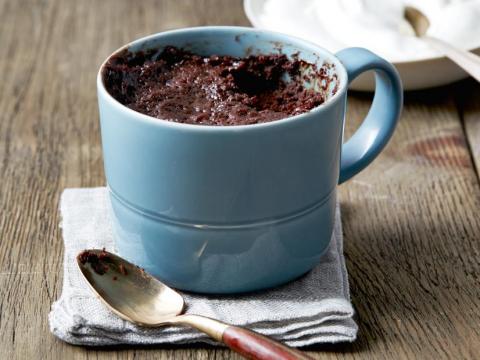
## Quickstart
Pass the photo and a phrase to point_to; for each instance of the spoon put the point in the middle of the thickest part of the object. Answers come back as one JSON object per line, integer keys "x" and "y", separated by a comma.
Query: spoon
{"x": 465, "y": 59}
{"x": 140, "y": 298}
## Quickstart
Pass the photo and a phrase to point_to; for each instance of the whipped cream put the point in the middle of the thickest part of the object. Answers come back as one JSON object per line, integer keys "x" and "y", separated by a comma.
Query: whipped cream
{"x": 377, "y": 25}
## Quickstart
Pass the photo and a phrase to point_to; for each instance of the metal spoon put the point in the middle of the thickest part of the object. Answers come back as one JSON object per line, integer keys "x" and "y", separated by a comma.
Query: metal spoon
{"x": 138, "y": 297}
{"x": 465, "y": 59}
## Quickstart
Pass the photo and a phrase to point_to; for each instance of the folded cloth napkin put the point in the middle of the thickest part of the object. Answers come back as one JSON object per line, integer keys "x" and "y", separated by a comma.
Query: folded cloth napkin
{"x": 313, "y": 309}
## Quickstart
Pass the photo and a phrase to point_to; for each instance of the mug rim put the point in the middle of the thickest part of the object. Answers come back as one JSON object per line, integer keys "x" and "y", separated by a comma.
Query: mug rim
{"x": 237, "y": 30}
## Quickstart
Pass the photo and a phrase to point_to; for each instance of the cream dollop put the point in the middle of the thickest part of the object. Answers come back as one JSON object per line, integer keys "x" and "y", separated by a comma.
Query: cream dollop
{"x": 377, "y": 25}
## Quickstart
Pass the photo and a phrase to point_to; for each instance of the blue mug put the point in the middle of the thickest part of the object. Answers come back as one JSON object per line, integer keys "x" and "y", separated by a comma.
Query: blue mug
{"x": 225, "y": 209}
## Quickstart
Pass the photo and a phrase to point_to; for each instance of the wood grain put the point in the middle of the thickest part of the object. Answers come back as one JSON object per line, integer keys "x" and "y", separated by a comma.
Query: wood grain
{"x": 412, "y": 237}
{"x": 468, "y": 99}
{"x": 410, "y": 220}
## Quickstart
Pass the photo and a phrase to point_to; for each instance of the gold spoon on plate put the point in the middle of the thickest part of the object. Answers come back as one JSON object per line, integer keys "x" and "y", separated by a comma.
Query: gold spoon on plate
{"x": 140, "y": 298}
{"x": 465, "y": 59}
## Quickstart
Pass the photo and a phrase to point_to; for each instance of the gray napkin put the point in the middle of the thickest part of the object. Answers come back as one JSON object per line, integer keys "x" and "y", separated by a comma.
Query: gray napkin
{"x": 313, "y": 309}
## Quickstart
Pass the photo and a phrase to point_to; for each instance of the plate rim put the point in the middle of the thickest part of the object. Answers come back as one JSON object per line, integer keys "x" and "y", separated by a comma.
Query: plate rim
{"x": 251, "y": 16}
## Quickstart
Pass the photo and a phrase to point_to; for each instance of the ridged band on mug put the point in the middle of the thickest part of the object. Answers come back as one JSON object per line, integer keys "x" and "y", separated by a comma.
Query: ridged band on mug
{"x": 221, "y": 226}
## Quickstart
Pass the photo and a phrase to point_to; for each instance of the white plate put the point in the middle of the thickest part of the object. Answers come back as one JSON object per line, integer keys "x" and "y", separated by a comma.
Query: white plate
{"x": 418, "y": 74}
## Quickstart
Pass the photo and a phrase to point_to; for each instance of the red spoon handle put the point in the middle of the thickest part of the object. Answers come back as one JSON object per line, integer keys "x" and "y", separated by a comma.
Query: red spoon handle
{"x": 256, "y": 346}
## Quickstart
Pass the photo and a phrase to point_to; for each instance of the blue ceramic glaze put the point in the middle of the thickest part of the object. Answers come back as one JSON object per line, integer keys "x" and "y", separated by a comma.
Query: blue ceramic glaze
{"x": 378, "y": 126}
{"x": 231, "y": 209}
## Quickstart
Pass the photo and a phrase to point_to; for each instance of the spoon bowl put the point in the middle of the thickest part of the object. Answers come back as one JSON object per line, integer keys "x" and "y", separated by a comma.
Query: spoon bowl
{"x": 138, "y": 297}
{"x": 418, "y": 20}
{"x": 129, "y": 291}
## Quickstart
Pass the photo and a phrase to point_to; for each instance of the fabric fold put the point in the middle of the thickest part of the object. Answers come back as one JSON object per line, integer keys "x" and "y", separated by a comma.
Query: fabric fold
{"x": 313, "y": 309}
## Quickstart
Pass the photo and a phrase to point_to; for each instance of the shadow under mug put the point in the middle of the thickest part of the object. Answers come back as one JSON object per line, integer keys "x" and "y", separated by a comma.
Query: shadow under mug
{"x": 224, "y": 209}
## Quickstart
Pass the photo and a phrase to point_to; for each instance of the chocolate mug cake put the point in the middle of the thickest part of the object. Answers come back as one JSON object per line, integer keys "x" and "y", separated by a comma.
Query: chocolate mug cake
{"x": 227, "y": 208}
{"x": 177, "y": 85}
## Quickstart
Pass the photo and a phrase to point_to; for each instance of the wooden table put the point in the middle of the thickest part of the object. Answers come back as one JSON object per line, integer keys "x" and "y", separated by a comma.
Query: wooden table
{"x": 411, "y": 220}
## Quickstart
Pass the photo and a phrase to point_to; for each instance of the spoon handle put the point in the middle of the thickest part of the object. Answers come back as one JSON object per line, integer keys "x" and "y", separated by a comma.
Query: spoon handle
{"x": 245, "y": 342}
{"x": 465, "y": 59}
{"x": 255, "y": 346}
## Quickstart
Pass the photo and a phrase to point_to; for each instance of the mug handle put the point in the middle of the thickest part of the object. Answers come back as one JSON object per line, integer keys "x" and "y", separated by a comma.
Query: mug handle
{"x": 377, "y": 128}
